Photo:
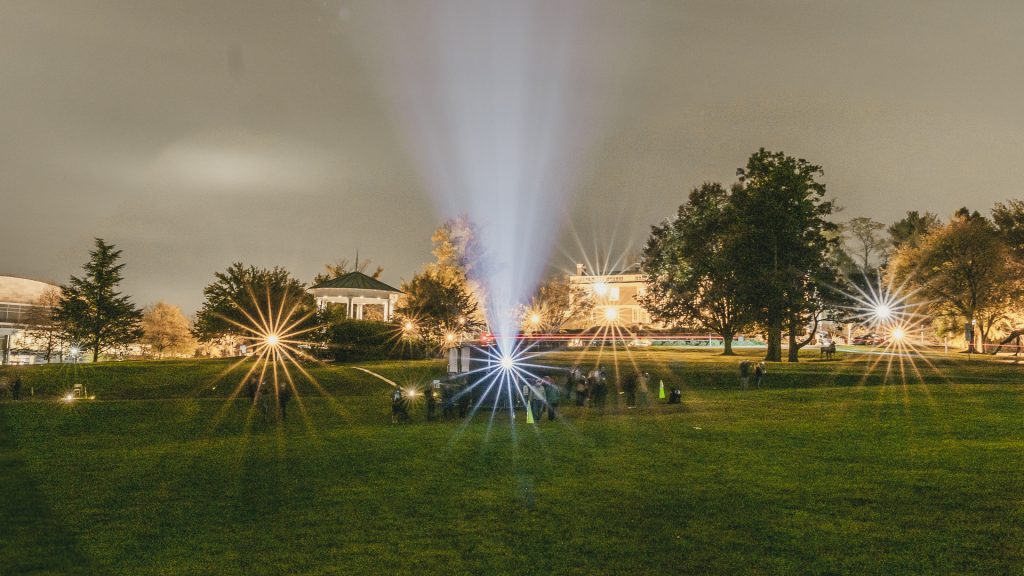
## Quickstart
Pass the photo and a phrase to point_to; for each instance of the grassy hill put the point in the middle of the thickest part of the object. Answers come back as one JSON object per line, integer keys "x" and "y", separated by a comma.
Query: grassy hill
{"x": 854, "y": 466}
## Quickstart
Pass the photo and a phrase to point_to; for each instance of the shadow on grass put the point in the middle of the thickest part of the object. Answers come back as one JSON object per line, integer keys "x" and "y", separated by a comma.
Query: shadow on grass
{"x": 35, "y": 540}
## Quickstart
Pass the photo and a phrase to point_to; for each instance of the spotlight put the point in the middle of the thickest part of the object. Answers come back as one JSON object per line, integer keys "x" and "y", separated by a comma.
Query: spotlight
{"x": 611, "y": 313}
{"x": 534, "y": 318}
{"x": 408, "y": 326}
{"x": 70, "y": 397}
{"x": 898, "y": 334}
{"x": 507, "y": 362}
{"x": 272, "y": 339}
{"x": 600, "y": 288}
{"x": 882, "y": 312}
{"x": 450, "y": 337}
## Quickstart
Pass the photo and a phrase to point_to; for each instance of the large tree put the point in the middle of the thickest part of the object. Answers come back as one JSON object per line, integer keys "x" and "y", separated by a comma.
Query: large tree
{"x": 556, "y": 304}
{"x": 165, "y": 330}
{"x": 784, "y": 242}
{"x": 92, "y": 312}
{"x": 438, "y": 305}
{"x": 1009, "y": 220}
{"x": 246, "y": 301}
{"x": 693, "y": 274}
{"x": 910, "y": 229}
{"x": 964, "y": 270}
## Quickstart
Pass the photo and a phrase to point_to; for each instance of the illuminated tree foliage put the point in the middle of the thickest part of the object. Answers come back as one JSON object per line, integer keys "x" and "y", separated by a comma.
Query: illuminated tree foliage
{"x": 165, "y": 331}
{"x": 556, "y": 303}
{"x": 92, "y": 312}
{"x": 964, "y": 270}
{"x": 438, "y": 305}
{"x": 245, "y": 296}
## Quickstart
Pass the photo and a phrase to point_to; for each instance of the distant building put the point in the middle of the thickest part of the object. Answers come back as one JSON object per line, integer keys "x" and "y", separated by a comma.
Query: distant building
{"x": 615, "y": 297}
{"x": 19, "y": 309}
{"x": 361, "y": 296}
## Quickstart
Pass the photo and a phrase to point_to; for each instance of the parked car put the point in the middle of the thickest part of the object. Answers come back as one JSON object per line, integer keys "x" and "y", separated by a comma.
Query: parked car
{"x": 869, "y": 339}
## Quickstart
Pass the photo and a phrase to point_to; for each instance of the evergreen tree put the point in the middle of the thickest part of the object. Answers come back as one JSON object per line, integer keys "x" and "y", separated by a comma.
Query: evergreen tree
{"x": 91, "y": 311}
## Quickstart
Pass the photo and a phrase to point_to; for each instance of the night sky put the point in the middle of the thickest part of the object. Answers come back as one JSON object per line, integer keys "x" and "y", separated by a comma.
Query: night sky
{"x": 197, "y": 133}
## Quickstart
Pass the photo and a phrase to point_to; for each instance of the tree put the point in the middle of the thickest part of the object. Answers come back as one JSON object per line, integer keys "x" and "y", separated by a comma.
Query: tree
{"x": 1009, "y": 220}
{"x": 92, "y": 311}
{"x": 458, "y": 258}
{"x": 165, "y": 330}
{"x": 342, "y": 267}
{"x": 783, "y": 242}
{"x": 438, "y": 305}
{"x": 556, "y": 303}
{"x": 46, "y": 334}
{"x": 911, "y": 228}
{"x": 865, "y": 240}
{"x": 964, "y": 270}
{"x": 692, "y": 269}
{"x": 248, "y": 302}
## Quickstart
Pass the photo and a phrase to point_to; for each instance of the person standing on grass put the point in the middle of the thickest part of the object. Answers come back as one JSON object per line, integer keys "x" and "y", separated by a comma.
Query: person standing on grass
{"x": 758, "y": 374}
{"x": 431, "y": 401}
{"x": 535, "y": 398}
{"x": 284, "y": 394}
{"x": 251, "y": 387}
{"x": 582, "y": 392}
{"x": 397, "y": 405}
{"x": 553, "y": 395}
{"x": 629, "y": 385}
{"x": 643, "y": 387}
{"x": 16, "y": 388}
{"x": 600, "y": 388}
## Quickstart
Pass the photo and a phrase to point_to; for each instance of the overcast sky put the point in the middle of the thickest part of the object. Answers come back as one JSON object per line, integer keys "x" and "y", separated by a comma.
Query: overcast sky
{"x": 197, "y": 133}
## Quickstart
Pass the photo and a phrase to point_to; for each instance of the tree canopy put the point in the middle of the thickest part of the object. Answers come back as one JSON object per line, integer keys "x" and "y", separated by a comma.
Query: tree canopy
{"x": 784, "y": 244}
{"x": 245, "y": 301}
{"x": 693, "y": 272}
{"x": 92, "y": 311}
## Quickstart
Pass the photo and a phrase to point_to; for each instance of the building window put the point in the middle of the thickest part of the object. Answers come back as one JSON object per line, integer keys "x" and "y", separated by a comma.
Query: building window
{"x": 613, "y": 293}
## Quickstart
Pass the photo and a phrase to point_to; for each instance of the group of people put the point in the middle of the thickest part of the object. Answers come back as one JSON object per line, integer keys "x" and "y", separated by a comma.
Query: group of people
{"x": 265, "y": 400}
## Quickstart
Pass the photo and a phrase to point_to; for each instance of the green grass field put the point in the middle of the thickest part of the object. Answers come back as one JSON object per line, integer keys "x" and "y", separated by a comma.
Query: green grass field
{"x": 859, "y": 466}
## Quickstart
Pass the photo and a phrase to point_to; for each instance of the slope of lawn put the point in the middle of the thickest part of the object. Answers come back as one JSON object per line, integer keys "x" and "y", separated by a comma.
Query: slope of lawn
{"x": 834, "y": 468}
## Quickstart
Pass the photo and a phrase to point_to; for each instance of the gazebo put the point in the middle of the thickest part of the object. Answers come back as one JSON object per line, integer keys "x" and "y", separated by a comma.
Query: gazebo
{"x": 355, "y": 291}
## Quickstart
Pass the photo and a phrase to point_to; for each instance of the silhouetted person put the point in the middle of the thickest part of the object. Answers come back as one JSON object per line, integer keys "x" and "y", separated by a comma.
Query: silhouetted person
{"x": 643, "y": 387}
{"x": 553, "y": 395}
{"x": 675, "y": 396}
{"x": 535, "y": 398}
{"x": 284, "y": 394}
{"x": 582, "y": 391}
{"x": 599, "y": 388}
{"x": 629, "y": 386}
{"x": 398, "y": 412}
{"x": 759, "y": 374}
{"x": 431, "y": 401}
{"x": 251, "y": 388}
{"x": 745, "y": 367}
{"x": 16, "y": 388}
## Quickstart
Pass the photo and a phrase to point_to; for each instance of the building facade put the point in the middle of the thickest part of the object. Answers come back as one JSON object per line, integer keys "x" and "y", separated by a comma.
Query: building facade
{"x": 20, "y": 310}
{"x": 615, "y": 296}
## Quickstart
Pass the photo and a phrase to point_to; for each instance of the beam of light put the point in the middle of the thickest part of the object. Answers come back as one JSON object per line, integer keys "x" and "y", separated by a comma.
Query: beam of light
{"x": 499, "y": 118}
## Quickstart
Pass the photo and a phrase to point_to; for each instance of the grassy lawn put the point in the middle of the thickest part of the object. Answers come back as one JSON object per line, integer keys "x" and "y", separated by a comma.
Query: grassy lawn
{"x": 855, "y": 466}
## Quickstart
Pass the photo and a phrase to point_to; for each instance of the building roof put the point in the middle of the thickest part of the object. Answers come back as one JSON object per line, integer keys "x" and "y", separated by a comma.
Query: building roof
{"x": 15, "y": 290}
{"x": 357, "y": 281}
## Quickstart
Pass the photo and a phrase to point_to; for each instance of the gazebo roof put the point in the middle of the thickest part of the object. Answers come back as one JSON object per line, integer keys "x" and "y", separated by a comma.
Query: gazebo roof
{"x": 357, "y": 281}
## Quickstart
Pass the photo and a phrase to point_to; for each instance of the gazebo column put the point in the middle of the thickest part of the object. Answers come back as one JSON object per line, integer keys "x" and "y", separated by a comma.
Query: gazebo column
{"x": 348, "y": 309}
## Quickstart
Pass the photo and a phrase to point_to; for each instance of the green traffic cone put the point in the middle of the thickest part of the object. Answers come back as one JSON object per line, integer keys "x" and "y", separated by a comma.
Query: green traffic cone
{"x": 661, "y": 389}
{"x": 529, "y": 415}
